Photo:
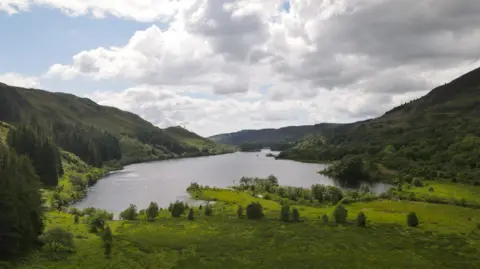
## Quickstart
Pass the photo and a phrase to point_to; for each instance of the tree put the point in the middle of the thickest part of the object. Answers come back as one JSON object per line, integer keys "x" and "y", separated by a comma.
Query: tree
{"x": 130, "y": 213}
{"x": 76, "y": 219}
{"x": 190, "y": 214}
{"x": 325, "y": 218}
{"x": 208, "y": 210}
{"x": 361, "y": 219}
{"x": 57, "y": 238}
{"x": 21, "y": 218}
{"x": 178, "y": 208}
{"x": 152, "y": 211}
{"x": 416, "y": 182}
{"x": 285, "y": 213}
{"x": 412, "y": 219}
{"x": 107, "y": 241}
{"x": 240, "y": 212}
{"x": 340, "y": 214}
{"x": 295, "y": 215}
{"x": 98, "y": 219}
{"x": 254, "y": 211}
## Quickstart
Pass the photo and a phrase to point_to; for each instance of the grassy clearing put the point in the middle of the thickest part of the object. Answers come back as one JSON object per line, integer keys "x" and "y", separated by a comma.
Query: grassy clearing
{"x": 447, "y": 190}
{"x": 223, "y": 241}
{"x": 447, "y": 237}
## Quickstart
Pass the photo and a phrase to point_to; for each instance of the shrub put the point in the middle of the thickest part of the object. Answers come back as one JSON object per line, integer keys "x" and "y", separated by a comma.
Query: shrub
{"x": 340, "y": 214}
{"x": 412, "y": 219}
{"x": 98, "y": 220}
{"x": 107, "y": 241}
{"x": 478, "y": 226}
{"x": 254, "y": 211}
{"x": 130, "y": 213}
{"x": 454, "y": 180}
{"x": 295, "y": 215}
{"x": 208, "y": 210}
{"x": 178, "y": 209}
{"x": 200, "y": 207}
{"x": 430, "y": 189}
{"x": 285, "y": 213}
{"x": 89, "y": 210}
{"x": 74, "y": 211}
{"x": 364, "y": 188}
{"x": 240, "y": 212}
{"x": 399, "y": 187}
{"x": 361, "y": 219}
{"x": 76, "y": 219}
{"x": 325, "y": 218}
{"x": 190, "y": 214}
{"x": 152, "y": 211}
{"x": 57, "y": 238}
{"x": 416, "y": 182}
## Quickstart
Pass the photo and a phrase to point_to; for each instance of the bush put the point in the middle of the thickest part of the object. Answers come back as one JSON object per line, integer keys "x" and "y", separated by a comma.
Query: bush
{"x": 178, "y": 209}
{"x": 57, "y": 238}
{"x": 190, "y": 214}
{"x": 361, "y": 219}
{"x": 417, "y": 183}
{"x": 364, "y": 188}
{"x": 285, "y": 213}
{"x": 240, "y": 212}
{"x": 152, "y": 211}
{"x": 430, "y": 189}
{"x": 254, "y": 211}
{"x": 295, "y": 215}
{"x": 454, "y": 180}
{"x": 130, "y": 213}
{"x": 412, "y": 219}
{"x": 325, "y": 218}
{"x": 89, "y": 211}
{"x": 208, "y": 210}
{"x": 107, "y": 241}
{"x": 74, "y": 211}
{"x": 76, "y": 218}
{"x": 340, "y": 214}
{"x": 98, "y": 220}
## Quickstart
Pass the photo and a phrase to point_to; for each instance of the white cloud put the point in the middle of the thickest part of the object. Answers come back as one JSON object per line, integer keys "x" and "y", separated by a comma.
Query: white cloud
{"x": 325, "y": 60}
{"x": 19, "y": 80}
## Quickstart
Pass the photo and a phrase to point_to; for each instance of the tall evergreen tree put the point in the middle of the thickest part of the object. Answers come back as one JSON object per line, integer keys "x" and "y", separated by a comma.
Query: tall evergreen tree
{"x": 21, "y": 221}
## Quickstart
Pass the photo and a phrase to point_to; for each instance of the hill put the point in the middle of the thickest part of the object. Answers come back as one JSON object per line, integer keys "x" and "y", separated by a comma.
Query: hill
{"x": 437, "y": 135}
{"x": 61, "y": 111}
{"x": 277, "y": 139}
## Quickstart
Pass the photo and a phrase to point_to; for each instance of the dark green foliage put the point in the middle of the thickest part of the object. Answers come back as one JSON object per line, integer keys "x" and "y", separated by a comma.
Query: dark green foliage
{"x": 190, "y": 214}
{"x": 58, "y": 239}
{"x": 254, "y": 211}
{"x": 361, "y": 219}
{"x": 130, "y": 213}
{"x": 208, "y": 211}
{"x": 431, "y": 189}
{"x": 348, "y": 169}
{"x": 412, "y": 219}
{"x": 45, "y": 157}
{"x": 178, "y": 208}
{"x": 107, "y": 238}
{"x": 325, "y": 218}
{"x": 152, "y": 211}
{"x": 364, "y": 188}
{"x": 98, "y": 219}
{"x": 76, "y": 219}
{"x": 21, "y": 218}
{"x": 285, "y": 213}
{"x": 295, "y": 215}
{"x": 240, "y": 212}
{"x": 417, "y": 183}
{"x": 340, "y": 214}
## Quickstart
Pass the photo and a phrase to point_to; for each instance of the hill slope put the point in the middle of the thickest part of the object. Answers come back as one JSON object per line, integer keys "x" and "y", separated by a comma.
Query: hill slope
{"x": 20, "y": 105}
{"x": 436, "y": 135}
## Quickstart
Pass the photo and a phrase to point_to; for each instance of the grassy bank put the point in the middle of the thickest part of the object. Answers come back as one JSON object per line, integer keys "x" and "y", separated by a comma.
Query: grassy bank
{"x": 447, "y": 237}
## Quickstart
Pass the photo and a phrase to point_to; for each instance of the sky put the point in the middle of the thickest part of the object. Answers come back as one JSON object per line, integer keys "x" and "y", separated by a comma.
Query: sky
{"x": 216, "y": 66}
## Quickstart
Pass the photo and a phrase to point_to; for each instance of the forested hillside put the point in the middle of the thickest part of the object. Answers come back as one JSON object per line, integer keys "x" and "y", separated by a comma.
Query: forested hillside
{"x": 86, "y": 129}
{"x": 437, "y": 135}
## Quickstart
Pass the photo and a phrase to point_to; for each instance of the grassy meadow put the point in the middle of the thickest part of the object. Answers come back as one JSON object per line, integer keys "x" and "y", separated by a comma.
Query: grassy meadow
{"x": 447, "y": 237}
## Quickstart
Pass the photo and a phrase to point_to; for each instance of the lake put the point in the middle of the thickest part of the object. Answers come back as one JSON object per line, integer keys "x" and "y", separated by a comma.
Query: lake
{"x": 166, "y": 181}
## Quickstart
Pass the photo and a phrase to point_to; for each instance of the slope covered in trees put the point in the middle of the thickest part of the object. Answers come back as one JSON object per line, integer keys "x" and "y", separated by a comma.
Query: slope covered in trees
{"x": 194, "y": 140}
{"x": 93, "y": 132}
{"x": 437, "y": 135}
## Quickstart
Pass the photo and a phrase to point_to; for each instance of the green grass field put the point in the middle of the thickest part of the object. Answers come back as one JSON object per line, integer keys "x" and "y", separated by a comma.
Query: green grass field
{"x": 447, "y": 237}
{"x": 447, "y": 191}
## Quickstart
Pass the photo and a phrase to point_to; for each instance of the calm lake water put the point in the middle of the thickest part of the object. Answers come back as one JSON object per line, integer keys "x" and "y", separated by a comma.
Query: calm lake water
{"x": 166, "y": 181}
